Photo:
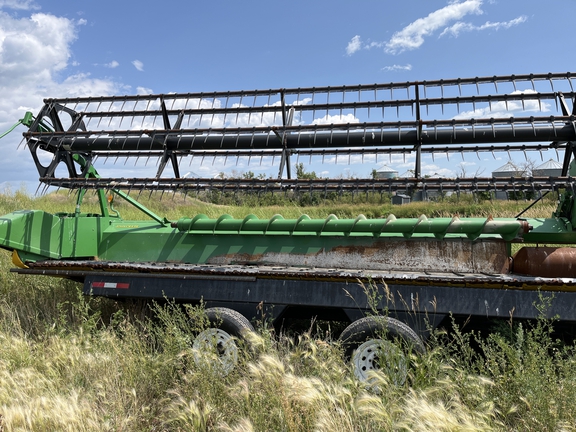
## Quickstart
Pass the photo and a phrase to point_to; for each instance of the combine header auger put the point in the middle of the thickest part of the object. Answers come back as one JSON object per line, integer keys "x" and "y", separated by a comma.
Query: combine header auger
{"x": 423, "y": 268}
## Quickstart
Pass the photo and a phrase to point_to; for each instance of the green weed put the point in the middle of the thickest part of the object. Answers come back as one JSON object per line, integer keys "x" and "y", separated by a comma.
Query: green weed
{"x": 70, "y": 362}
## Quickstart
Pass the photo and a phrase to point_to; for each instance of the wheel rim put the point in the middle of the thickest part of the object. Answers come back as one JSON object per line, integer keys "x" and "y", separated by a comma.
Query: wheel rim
{"x": 380, "y": 355}
{"x": 215, "y": 349}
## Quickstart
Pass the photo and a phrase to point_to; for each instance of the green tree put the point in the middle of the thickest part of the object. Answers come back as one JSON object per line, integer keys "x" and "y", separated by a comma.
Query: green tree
{"x": 301, "y": 173}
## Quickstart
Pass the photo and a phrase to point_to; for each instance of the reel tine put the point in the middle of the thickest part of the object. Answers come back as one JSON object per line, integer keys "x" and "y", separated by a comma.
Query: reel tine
{"x": 133, "y": 116}
{"x": 97, "y": 110}
{"x": 20, "y": 143}
{"x": 523, "y": 103}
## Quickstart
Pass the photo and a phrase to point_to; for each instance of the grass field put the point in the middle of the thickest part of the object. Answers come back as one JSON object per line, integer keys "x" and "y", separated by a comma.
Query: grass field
{"x": 71, "y": 363}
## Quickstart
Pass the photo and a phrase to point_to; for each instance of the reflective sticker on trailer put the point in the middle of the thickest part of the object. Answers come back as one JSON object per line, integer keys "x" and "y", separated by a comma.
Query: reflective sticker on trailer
{"x": 111, "y": 285}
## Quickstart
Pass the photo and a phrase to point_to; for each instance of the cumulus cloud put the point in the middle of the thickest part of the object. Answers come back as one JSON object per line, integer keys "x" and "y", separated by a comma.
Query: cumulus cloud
{"x": 35, "y": 52}
{"x": 336, "y": 119}
{"x": 138, "y": 65}
{"x": 508, "y": 109}
{"x": 113, "y": 64}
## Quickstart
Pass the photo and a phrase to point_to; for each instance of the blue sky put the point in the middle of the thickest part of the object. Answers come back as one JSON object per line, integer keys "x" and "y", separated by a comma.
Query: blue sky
{"x": 69, "y": 48}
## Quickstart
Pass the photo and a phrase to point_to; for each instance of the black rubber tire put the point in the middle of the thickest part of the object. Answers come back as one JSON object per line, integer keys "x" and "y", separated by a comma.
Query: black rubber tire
{"x": 225, "y": 325}
{"x": 370, "y": 345}
{"x": 373, "y": 327}
{"x": 229, "y": 320}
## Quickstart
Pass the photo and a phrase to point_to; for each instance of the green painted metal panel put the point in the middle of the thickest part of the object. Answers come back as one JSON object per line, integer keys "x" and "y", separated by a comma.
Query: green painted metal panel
{"x": 81, "y": 235}
{"x": 32, "y": 231}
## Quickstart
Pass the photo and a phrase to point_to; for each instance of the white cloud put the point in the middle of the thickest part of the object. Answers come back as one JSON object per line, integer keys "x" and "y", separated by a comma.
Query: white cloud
{"x": 460, "y": 27}
{"x": 19, "y": 4}
{"x": 412, "y": 36}
{"x": 446, "y": 20}
{"x": 113, "y": 64}
{"x": 336, "y": 119}
{"x": 138, "y": 65}
{"x": 507, "y": 109}
{"x": 35, "y": 52}
{"x": 354, "y": 45}
{"x": 144, "y": 91}
{"x": 396, "y": 67}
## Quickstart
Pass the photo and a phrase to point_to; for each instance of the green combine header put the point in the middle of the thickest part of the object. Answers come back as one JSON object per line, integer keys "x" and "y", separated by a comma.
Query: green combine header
{"x": 424, "y": 268}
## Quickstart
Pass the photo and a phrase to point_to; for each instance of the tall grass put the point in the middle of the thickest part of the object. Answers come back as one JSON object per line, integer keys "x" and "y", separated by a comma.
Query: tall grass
{"x": 68, "y": 362}
{"x": 176, "y": 205}
{"x": 81, "y": 373}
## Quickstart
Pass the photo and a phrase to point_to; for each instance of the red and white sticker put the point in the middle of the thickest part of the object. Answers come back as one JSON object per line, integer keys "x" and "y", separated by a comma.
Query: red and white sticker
{"x": 110, "y": 285}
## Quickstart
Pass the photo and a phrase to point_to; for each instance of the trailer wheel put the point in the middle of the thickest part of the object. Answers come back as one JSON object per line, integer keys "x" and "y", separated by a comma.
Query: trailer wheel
{"x": 215, "y": 348}
{"x": 380, "y": 343}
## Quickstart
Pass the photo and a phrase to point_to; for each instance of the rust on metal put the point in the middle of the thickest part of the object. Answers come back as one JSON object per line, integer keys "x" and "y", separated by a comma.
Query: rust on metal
{"x": 448, "y": 255}
{"x": 545, "y": 262}
{"x": 68, "y": 268}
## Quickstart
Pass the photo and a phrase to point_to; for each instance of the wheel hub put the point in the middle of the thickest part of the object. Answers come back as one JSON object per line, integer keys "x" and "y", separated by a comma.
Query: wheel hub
{"x": 383, "y": 355}
{"x": 217, "y": 350}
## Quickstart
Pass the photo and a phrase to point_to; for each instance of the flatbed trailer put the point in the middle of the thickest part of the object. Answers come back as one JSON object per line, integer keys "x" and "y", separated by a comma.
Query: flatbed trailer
{"x": 330, "y": 294}
{"x": 389, "y": 277}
